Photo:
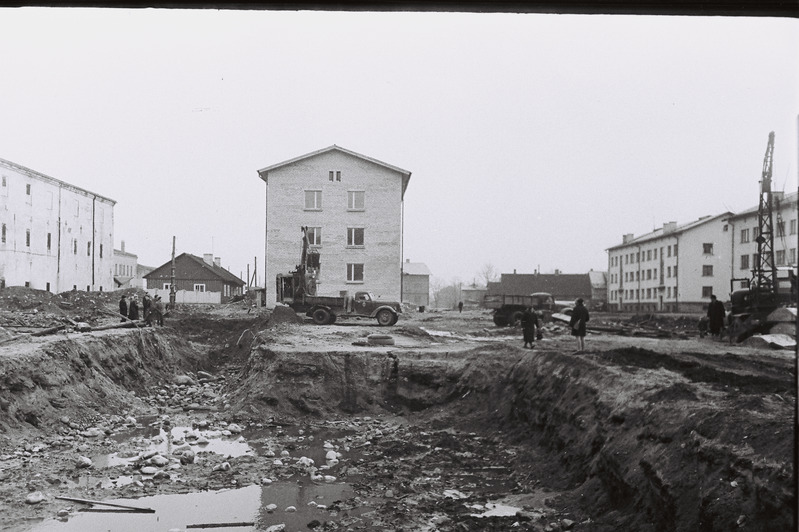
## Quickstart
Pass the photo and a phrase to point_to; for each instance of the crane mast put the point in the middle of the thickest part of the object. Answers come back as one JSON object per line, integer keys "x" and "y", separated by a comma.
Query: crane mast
{"x": 764, "y": 273}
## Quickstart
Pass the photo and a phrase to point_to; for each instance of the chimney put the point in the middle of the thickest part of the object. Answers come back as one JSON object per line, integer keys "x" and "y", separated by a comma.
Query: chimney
{"x": 626, "y": 238}
{"x": 669, "y": 227}
{"x": 123, "y": 246}
{"x": 208, "y": 258}
{"x": 557, "y": 271}
{"x": 514, "y": 271}
{"x": 218, "y": 262}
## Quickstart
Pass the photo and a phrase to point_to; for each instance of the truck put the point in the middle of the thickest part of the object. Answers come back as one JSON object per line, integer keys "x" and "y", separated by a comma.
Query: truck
{"x": 297, "y": 289}
{"x": 508, "y": 309}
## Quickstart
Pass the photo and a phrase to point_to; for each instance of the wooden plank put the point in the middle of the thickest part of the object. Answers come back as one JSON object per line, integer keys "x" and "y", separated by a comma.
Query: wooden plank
{"x": 220, "y": 525}
{"x": 88, "y": 501}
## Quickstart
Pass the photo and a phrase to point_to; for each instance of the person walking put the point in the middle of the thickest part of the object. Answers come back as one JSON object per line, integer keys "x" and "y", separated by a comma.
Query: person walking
{"x": 529, "y": 326}
{"x": 133, "y": 308}
{"x": 460, "y": 306}
{"x": 123, "y": 307}
{"x": 715, "y": 315}
{"x": 577, "y": 323}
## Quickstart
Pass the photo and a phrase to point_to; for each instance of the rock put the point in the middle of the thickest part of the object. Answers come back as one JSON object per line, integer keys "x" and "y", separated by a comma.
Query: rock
{"x": 162, "y": 475}
{"x": 83, "y": 462}
{"x": 284, "y": 453}
{"x": 234, "y": 428}
{"x": 149, "y": 470}
{"x": 389, "y": 494}
{"x": 224, "y": 466}
{"x": 271, "y": 508}
{"x": 92, "y": 432}
{"x": 63, "y": 513}
{"x": 281, "y": 526}
{"x": 330, "y": 478}
{"x": 277, "y": 462}
{"x": 331, "y": 455}
{"x": 266, "y": 481}
{"x": 567, "y": 524}
{"x": 158, "y": 460}
{"x": 204, "y": 375}
{"x": 187, "y": 457}
{"x": 35, "y": 497}
{"x": 184, "y": 380}
{"x": 290, "y": 509}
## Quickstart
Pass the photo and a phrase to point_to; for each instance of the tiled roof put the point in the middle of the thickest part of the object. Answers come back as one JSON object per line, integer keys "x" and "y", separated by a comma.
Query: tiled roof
{"x": 415, "y": 268}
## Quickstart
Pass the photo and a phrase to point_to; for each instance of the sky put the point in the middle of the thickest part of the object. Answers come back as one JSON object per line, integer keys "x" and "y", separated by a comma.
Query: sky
{"x": 534, "y": 141}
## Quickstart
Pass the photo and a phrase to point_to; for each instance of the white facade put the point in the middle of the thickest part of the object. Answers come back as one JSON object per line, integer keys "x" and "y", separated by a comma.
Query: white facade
{"x": 672, "y": 269}
{"x": 54, "y": 236}
{"x": 745, "y": 231}
{"x": 353, "y": 205}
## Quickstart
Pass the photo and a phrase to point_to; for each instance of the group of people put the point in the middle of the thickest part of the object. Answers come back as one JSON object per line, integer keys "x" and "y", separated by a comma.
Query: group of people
{"x": 152, "y": 309}
{"x": 531, "y": 328}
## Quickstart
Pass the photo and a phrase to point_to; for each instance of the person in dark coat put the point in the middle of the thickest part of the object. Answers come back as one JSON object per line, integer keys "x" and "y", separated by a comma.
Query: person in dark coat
{"x": 577, "y": 323}
{"x": 529, "y": 326}
{"x": 157, "y": 311}
{"x": 145, "y": 307}
{"x": 133, "y": 308}
{"x": 123, "y": 307}
{"x": 715, "y": 315}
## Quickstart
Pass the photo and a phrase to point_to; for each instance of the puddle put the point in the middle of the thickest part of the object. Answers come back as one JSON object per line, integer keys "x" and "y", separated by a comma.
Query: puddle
{"x": 244, "y": 505}
{"x": 495, "y": 510}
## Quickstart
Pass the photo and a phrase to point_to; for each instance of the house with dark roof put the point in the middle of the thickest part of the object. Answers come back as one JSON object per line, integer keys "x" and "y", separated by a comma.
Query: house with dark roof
{"x": 198, "y": 275}
{"x": 562, "y": 286}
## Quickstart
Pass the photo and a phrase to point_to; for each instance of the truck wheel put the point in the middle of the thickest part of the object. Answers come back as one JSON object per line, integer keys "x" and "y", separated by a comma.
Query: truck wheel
{"x": 385, "y": 318}
{"x": 500, "y": 320}
{"x": 514, "y": 318}
{"x": 395, "y": 320}
{"x": 321, "y": 316}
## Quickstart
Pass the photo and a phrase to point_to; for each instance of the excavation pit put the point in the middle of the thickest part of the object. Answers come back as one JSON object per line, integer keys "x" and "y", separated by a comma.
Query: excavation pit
{"x": 447, "y": 432}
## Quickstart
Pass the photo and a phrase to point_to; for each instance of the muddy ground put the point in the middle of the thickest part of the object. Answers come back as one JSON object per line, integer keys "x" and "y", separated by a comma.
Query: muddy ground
{"x": 455, "y": 427}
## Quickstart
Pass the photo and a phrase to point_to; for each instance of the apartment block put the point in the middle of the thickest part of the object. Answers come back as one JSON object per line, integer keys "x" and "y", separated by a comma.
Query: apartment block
{"x": 674, "y": 268}
{"x": 353, "y": 207}
{"x": 53, "y": 236}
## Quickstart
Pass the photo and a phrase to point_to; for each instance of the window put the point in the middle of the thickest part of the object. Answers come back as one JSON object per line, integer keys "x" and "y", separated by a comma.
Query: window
{"x": 626, "y": 259}
{"x": 744, "y": 262}
{"x": 781, "y": 228}
{"x": 28, "y": 194}
{"x": 355, "y": 273}
{"x": 313, "y": 200}
{"x": 745, "y": 283}
{"x": 74, "y": 246}
{"x": 638, "y": 275}
{"x": 675, "y": 271}
{"x": 355, "y": 200}
{"x": 649, "y": 254}
{"x": 668, "y": 292}
{"x": 3, "y": 234}
{"x": 655, "y": 273}
{"x": 49, "y": 241}
{"x": 28, "y": 238}
{"x": 793, "y": 227}
{"x": 88, "y": 249}
{"x": 638, "y": 256}
{"x": 337, "y": 175}
{"x": 649, "y": 293}
{"x": 707, "y": 249}
{"x": 755, "y": 260}
{"x": 755, "y": 231}
{"x": 744, "y": 236}
{"x": 792, "y": 256}
{"x": 675, "y": 250}
{"x": 199, "y": 288}
{"x": 355, "y": 236}
{"x": 649, "y": 275}
{"x": 707, "y": 291}
{"x": 779, "y": 257}
{"x": 166, "y": 286}
{"x": 655, "y": 254}
{"x": 707, "y": 270}
{"x": 101, "y": 251}
{"x": 48, "y": 287}
{"x": 668, "y": 248}
{"x": 315, "y": 236}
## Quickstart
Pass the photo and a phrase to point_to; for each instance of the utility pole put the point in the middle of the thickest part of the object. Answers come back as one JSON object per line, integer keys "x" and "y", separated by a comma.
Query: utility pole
{"x": 172, "y": 290}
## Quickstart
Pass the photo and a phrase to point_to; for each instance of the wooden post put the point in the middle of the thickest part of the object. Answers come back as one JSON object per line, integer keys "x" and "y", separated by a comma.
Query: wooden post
{"x": 172, "y": 290}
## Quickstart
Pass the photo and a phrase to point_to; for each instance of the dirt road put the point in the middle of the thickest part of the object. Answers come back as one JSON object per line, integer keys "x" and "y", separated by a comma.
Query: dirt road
{"x": 454, "y": 427}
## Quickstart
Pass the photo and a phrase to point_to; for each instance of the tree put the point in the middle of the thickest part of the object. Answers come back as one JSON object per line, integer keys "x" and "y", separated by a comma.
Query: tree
{"x": 488, "y": 273}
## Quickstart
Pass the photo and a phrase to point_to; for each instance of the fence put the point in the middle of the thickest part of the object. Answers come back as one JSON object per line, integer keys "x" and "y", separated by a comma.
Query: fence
{"x": 187, "y": 296}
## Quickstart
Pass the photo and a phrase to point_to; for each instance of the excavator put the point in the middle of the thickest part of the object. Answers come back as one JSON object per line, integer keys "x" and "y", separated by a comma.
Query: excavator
{"x": 752, "y": 305}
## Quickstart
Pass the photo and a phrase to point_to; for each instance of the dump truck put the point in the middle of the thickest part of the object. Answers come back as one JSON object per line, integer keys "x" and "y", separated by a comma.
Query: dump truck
{"x": 297, "y": 289}
{"x": 508, "y": 309}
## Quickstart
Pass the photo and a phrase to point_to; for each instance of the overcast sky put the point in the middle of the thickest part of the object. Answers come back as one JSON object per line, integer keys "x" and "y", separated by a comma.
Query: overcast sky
{"x": 534, "y": 141}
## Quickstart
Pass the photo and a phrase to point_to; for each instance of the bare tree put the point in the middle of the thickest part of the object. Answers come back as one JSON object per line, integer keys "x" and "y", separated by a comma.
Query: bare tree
{"x": 436, "y": 285}
{"x": 488, "y": 273}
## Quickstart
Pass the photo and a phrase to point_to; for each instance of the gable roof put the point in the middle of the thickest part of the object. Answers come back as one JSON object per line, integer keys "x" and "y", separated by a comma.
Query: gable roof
{"x": 415, "y": 268}
{"x": 406, "y": 175}
{"x": 560, "y": 284}
{"x": 218, "y": 271}
{"x": 658, "y": 233}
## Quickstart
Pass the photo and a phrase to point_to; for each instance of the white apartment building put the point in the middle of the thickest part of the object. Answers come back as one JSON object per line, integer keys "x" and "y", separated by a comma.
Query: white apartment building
{"x": 53, "y": 236}
{"x": 353, "y": 207}
{"x": 126, "y": 269}
{"x": 674, "y": 268}
{"x": 745, "y": 227}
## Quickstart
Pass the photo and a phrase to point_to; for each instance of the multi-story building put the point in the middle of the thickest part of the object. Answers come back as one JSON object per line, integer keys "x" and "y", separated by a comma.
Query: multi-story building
{"x": 125, "y": 268}
{"x": 353, "y": 207}
{"x": 53, "y": 236}
{"x": 674, "y": 268}
{"x": 745, "y": 227}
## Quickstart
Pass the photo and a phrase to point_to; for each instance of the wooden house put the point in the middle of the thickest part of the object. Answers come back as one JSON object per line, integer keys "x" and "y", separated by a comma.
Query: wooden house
{"x": 198, "y": 275}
